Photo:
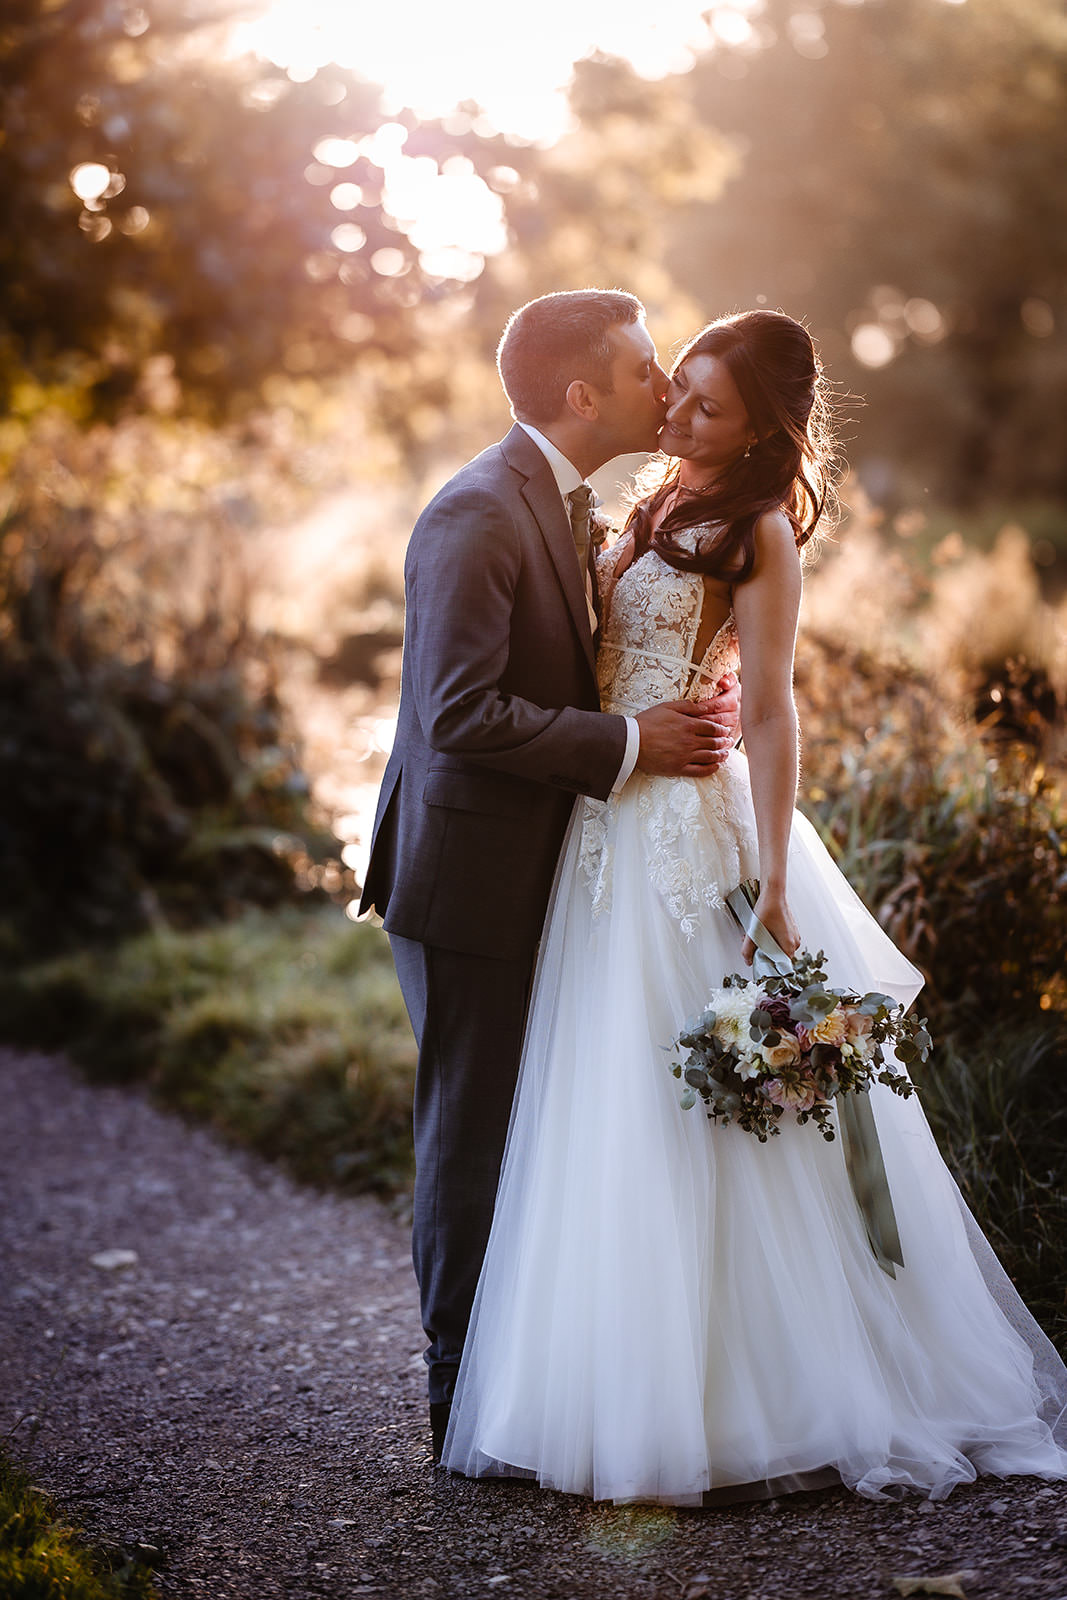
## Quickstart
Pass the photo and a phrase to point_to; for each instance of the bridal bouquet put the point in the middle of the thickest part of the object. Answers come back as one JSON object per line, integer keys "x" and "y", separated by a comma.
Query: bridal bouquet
{"x": 784, "y": 1041}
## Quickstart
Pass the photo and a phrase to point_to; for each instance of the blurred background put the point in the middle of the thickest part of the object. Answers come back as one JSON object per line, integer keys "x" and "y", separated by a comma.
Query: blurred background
{"x": 254, "y": 262}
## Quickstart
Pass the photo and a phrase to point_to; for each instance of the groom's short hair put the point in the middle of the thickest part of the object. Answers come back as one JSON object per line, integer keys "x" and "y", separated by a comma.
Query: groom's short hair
{"x": 550, "y": 342}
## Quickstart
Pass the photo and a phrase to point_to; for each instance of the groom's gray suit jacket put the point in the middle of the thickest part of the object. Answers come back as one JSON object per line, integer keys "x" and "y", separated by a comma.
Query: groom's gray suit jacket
{"x": 499, "y": 725}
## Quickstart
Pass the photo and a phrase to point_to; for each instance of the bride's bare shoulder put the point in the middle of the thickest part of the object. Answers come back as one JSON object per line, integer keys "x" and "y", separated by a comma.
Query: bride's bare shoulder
{"x": 776, "y": 544}
{"x": 774, "y": 527}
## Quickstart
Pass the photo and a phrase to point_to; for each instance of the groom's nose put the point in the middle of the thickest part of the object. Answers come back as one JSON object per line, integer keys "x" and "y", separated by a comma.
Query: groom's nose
{"x": 660, "y": 383}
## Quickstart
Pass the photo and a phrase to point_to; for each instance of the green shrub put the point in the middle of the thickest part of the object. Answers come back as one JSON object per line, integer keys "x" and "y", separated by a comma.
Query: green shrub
{"x": 146, "y": 772}
{"x": 958, "y": 846}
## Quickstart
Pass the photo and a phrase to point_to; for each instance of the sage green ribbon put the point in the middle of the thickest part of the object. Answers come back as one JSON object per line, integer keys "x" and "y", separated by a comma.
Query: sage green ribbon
{"x": 866, "y": 1172}
{"x": 770, "y": 960}
{"x": 859, "y": 1133}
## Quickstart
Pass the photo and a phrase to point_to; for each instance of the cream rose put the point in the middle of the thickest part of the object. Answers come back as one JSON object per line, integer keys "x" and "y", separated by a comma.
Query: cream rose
{"x": 783, "y": 1054}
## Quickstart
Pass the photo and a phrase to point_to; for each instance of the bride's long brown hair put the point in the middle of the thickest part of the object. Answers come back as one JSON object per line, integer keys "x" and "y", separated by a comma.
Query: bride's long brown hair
{"x": 791, "y": 468}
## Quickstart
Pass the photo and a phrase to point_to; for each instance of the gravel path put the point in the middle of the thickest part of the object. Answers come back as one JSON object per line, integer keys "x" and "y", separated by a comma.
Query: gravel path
{"x": 247, "y": 1398}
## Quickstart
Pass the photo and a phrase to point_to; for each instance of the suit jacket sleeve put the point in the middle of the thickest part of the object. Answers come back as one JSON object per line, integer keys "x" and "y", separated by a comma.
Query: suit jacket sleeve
{"x": 464, "y": 566}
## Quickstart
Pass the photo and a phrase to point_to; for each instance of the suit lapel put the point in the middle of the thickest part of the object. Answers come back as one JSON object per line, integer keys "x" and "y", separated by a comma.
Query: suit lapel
{"x": 541, "y": 494}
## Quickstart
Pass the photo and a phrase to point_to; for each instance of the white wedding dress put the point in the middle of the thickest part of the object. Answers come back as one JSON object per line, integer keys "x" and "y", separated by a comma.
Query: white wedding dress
{"x": 669, "y": 1310}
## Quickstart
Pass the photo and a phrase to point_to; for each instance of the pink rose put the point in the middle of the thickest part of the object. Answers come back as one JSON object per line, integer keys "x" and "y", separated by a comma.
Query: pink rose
{"x": 859, "y": 1025}
{"x": 790, "y": 1091}
{"x": 858, "y": 1031}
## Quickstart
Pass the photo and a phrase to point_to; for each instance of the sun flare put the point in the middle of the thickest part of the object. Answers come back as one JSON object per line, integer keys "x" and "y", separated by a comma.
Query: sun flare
{"x": 429, "y": 58}
{"x": 516, "y": 65}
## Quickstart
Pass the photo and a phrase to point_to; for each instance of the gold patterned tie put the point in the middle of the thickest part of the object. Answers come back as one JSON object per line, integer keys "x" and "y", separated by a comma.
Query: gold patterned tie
{"x": 579, "y": 506}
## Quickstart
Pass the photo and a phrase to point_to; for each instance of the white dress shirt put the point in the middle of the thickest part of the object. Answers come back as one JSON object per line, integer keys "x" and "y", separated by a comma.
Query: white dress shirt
{"x": 567, "y": 478}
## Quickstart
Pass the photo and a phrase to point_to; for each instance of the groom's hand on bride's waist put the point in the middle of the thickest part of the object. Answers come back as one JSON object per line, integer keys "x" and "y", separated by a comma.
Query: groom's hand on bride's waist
{"x": 689, "y": 738}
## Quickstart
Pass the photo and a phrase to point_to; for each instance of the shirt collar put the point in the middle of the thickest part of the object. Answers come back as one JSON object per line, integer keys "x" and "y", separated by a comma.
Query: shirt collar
{"x": 565, "y": 472}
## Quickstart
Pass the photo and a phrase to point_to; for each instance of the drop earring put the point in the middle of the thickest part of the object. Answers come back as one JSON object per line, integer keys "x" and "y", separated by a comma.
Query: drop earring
{"x": 748, "y": 452}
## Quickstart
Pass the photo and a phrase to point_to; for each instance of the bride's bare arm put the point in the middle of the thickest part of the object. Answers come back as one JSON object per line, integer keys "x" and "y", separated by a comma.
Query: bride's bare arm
{"x": 766, "y": 608}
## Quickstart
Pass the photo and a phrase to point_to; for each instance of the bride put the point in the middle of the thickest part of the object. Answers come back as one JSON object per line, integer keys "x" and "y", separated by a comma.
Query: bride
{"x": 669, "y": 1310}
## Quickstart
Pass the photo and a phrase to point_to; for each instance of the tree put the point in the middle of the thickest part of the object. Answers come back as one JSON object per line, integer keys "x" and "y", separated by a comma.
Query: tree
{"x": 899, "y": 171}
{"x": 169, "y": 218}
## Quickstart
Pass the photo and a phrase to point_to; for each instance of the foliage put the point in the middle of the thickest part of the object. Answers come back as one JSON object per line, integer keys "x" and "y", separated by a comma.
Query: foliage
{"x": 896, "y": 170}
{"x": 961, "y": 852}
{"x": 144, "y": 767}
{"x": 779, "y": 171}
{"x": 43, "y": 1559}
{"x": 597, "y": 207}
{"x": 212, "y": 260}
{"x": 285, "y": 1031}
{"x": 963, "y": 855}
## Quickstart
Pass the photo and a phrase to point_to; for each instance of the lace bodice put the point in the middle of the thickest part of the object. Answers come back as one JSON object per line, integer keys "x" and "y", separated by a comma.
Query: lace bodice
{"x": 698, "y": 832}
{"x": 651, "y": 622}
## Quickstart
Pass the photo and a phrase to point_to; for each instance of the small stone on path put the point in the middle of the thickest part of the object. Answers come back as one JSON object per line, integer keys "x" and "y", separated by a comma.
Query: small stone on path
{"x": 114, "y": 1260}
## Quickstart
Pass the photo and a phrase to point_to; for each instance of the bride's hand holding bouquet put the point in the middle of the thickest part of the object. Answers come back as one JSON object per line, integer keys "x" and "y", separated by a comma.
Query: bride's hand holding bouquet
{"x": 773, "y": 911}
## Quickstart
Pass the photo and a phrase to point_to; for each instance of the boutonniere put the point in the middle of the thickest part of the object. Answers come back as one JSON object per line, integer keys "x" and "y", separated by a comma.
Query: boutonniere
{"x": 600, "y": 527}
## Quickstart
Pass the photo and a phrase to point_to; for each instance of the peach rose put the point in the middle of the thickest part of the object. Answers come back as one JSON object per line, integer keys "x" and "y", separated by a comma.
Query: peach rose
{"x": 831, "y": 1029}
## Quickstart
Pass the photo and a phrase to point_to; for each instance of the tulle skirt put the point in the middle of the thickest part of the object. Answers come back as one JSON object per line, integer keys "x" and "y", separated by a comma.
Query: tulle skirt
{"x": 670, "y": 1311}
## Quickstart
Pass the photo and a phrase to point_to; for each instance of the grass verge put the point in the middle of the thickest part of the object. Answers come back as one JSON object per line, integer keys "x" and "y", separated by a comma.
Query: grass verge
{"x": 285, "y": 1031}
{"x": 41, "y": 1558}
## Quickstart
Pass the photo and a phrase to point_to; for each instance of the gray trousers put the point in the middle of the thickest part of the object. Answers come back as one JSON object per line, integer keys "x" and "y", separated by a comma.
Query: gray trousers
{"x": 467, "y": 1013}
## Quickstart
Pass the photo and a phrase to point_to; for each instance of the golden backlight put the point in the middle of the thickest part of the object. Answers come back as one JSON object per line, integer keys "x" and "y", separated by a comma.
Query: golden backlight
{"x": 514, "y": 61}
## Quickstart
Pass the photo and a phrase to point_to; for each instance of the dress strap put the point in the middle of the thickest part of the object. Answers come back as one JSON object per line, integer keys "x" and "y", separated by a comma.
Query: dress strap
{"x": 696, "y": 667}
{"x": 650, "y": 655}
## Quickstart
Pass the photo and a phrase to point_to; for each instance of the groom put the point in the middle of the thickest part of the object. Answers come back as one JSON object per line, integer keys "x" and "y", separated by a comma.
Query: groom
{"x": 499, "y": 730}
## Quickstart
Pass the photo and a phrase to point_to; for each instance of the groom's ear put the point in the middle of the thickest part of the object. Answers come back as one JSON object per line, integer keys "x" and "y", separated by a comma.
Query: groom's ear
{"x": 581, "y": 398}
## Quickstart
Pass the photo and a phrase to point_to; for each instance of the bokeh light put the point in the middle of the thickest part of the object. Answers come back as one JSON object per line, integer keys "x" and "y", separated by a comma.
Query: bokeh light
{"x": 389, "y": 262}
{"x": 336, "y": 152}
{"x": 873, "y": 345}
{"x": 90, "y": 179}
{"x": 349, "y": 237}
{"x": 346, "y": 196}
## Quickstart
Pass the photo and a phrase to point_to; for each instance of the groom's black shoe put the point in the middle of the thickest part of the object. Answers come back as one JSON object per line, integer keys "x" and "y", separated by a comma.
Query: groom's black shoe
{"x": 439, "y": 1414}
